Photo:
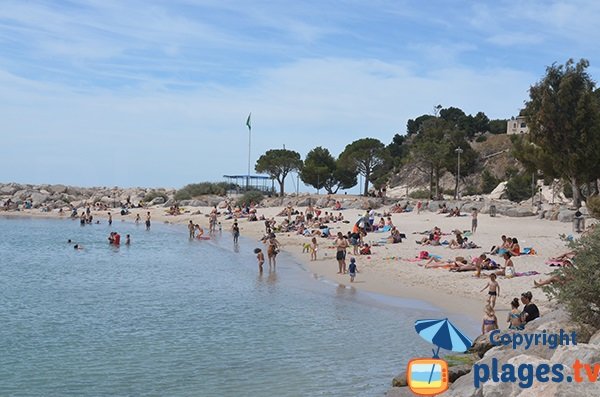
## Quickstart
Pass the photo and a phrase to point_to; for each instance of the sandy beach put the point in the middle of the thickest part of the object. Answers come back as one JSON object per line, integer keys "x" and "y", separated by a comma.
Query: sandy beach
{"x": 391, "y": 269}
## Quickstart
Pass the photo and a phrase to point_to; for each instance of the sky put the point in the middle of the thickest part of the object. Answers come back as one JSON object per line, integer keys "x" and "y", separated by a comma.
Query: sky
{"x": 156, "y": 93}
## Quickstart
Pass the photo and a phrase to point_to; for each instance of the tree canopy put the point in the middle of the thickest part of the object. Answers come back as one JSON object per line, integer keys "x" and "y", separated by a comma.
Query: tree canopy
{"x": 563, "y": 115}
{"x": 321, "y": 170}
{"x": 365, "y": 156}
{"x": 278, "y": 163}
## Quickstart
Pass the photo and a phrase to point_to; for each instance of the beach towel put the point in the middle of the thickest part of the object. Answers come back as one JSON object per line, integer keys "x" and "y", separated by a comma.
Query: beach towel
{"x": 384, "y": 229}
{"x": 528, "y": 251}
{"x": 528, "y": 273}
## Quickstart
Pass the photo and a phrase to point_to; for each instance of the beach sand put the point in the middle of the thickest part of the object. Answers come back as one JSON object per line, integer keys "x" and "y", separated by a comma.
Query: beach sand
{"x": 388, "y": 270}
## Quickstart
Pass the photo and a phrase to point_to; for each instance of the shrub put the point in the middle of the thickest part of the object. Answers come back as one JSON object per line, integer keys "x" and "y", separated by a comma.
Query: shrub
{"x": 200, "y": 189}
{"x": 518, "y": 188}
{"x": 419, "y": 194}
{"x": 251, "y": 196}
{"x": 471, "y": 190}
{"x": 488, "y": 182}
{"x": 593, "y": 206}
{"x": 579, "y": 285}
{"x": 481, "y": 138}
{"x": 568, "y": 190}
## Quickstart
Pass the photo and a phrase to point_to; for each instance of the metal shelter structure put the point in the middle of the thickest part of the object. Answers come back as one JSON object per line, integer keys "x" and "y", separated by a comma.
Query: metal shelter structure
{"x": 241, "y": 183}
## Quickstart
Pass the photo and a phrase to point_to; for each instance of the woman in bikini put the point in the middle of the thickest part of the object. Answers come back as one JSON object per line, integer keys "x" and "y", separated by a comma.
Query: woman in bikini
{"x": 514, "y": 317}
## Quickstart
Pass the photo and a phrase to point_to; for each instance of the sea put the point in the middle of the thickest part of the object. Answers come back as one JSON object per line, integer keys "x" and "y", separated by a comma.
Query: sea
{"x": 167, "y": 316}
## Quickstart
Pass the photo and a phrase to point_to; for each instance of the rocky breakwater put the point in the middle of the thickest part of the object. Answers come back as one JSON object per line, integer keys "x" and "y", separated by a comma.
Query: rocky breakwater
{"x": 525, "y": 362}
{"x": 15, "y": 196}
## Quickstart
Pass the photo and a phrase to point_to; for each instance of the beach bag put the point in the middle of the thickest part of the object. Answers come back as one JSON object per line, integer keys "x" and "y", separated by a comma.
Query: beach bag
{"x": 423, "y": 255}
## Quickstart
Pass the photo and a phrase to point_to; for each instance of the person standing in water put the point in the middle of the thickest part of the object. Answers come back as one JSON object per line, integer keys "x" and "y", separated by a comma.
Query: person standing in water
{"x": 341, "y": 244}
{"x": 109, "y": 219}
{"x": 236, "y": 232}
{"x": 273, "y": 250}
{"x": 260, "y": 257}
{"x": 137, "y": 219}
{"x": 192, "y": 230}
{"x": 148, "y": 221}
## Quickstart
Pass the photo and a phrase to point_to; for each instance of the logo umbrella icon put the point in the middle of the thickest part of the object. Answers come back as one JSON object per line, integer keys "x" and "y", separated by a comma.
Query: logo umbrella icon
{"x": 442, "y": 334}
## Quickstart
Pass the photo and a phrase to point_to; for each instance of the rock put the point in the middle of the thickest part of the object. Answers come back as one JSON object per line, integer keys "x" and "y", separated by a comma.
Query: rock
{"x": 499, "y": 192}
{"x": 595, "y": 339}
{"x": 457, "y": 371}
{"x": 399, "y": 392}
{"x": 323, "y": 202}
{"x": 9, "y": 190}
{"x": 518, "y": 212}
{"x": 197, "y": 203}
{"x": 304, "y": 202}
{"x": 481, "y": 345}
{"x": 400, "y": 380}
{"x": 169, "y": 203}
{"x": 566, "y": 215}
{"x": 38, "y": 198}
{"x": 157, "y": 200}
{"x": 57, "y": 189}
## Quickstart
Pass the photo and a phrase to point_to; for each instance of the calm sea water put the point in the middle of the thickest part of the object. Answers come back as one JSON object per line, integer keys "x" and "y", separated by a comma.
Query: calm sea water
{"x": 170, "y": 317}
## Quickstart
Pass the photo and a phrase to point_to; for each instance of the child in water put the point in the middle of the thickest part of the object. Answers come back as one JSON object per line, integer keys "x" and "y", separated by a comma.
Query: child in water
{"x": 352, "y": 269}
{"x": 260, "y": 257}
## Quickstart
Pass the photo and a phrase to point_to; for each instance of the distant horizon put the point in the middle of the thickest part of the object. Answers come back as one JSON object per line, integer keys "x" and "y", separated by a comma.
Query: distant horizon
{"x": 92, "y": 96}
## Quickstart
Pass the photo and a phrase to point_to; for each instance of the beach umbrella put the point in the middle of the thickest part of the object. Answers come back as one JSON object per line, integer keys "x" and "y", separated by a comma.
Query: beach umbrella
{"x": 442, "y": 334}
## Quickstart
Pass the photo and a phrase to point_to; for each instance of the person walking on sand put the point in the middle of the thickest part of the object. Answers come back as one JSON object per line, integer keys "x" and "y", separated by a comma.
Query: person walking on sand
{"x": 260, "y": 257}
{"x": 352, "y": 269}
{"x": 474, "y": 221}
{"x": 192, "y": 229}
{"x": 493, "y": 292}
{"x": 341, "y": 244}
{"x": 235, "y": 229}
{"x": 148, "y": 220}
{"x": 490, "y": 321}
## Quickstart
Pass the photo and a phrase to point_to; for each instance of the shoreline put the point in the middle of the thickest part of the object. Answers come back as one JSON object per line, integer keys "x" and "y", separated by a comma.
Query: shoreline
{"x": 391, "y": 271}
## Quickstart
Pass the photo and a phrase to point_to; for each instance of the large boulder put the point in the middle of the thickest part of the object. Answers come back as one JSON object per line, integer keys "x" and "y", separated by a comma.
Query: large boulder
{"x": 566, "y": 215}
{"x": 38, "y": 198}
{"x": 595, "y": 339}
{"x": 499, "y": 192}
{"x": 518, "y": 212}
{"x": 9, "y": 190}
{"x": 57, "y": 189}
{"x": 157, "y": 200}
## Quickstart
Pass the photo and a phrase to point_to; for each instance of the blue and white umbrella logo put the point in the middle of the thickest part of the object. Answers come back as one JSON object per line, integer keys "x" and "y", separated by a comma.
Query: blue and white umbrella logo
{"x": 444, "y": 335}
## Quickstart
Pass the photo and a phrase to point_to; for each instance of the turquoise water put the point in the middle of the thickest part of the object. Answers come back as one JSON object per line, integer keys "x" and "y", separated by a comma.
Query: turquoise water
{"x": 170, "y": 317}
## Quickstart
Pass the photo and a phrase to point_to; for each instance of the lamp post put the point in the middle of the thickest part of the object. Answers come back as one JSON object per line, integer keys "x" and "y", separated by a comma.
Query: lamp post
{"x": 458, "y": 151}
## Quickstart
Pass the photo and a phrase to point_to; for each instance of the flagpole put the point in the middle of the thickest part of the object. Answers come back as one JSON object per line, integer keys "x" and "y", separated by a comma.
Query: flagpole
{"x": 249, "y": 150}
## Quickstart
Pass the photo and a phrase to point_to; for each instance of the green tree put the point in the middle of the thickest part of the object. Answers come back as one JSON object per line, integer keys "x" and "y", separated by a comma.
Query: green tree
{"x": 488, "y": 182}
{"x": 278, "y": 163}
{"x": 321, "y": 170}
{"x": 413, "y": 126}
{"x": 430, "y": 151}
{"x": 365, "y": 156}
{"x": 398, "y": 149}
{"x": 563, "y": 115}
{"x": 518, "y": 187}
{"x": 498, "y": 126}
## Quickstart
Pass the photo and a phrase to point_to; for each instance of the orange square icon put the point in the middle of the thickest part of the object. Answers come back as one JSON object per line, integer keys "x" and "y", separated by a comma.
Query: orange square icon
{"x": 427, "y": 376}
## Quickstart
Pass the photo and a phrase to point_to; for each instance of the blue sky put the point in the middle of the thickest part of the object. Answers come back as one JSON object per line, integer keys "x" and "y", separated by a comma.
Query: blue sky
{"x": 156, "y": 93}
